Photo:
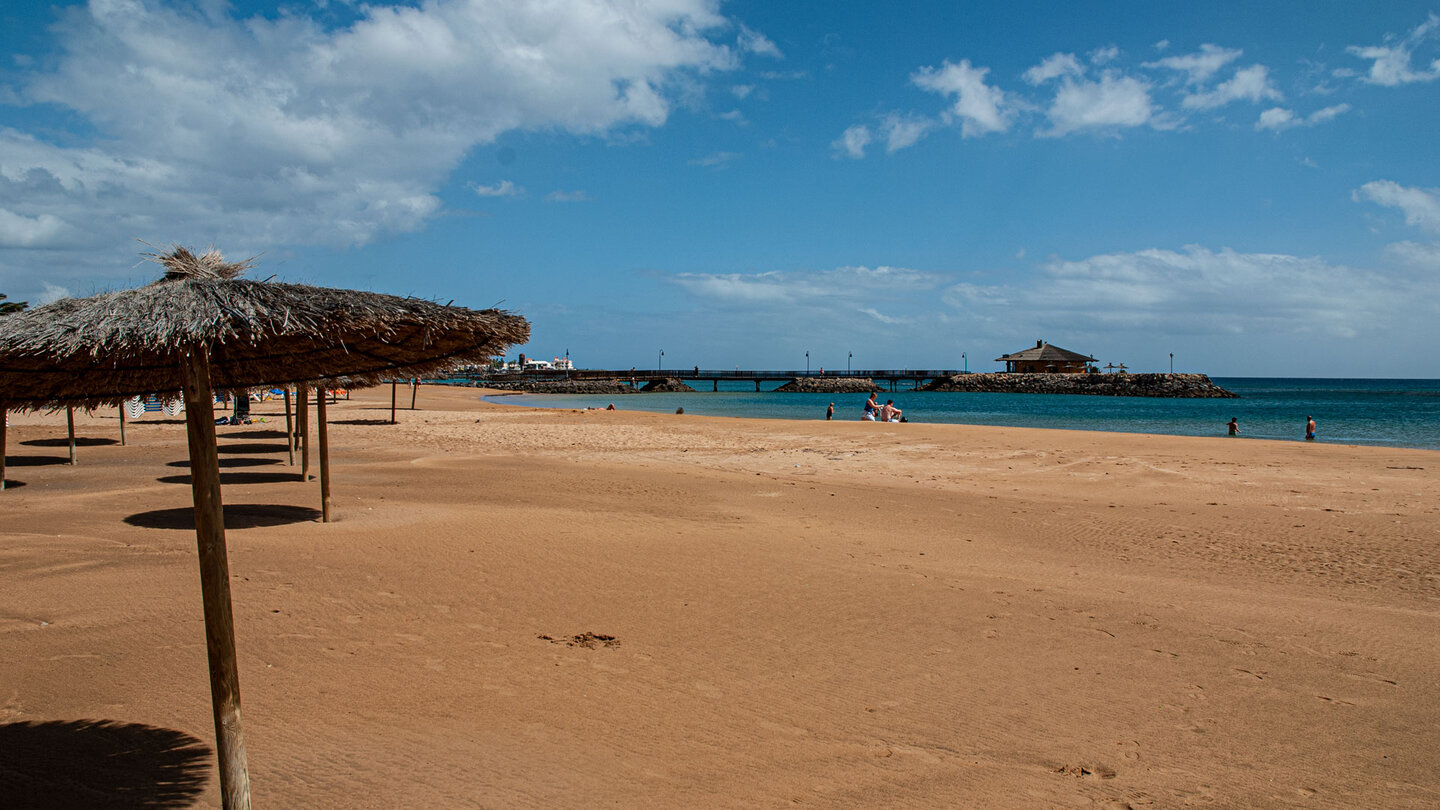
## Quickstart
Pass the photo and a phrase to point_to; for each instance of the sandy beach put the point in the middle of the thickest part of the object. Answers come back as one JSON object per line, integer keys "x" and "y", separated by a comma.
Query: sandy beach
{"x": 517, "y": 608}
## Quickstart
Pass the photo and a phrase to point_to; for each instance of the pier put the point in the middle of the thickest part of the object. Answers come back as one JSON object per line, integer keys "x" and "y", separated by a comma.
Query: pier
{"x": 896, "y": 378}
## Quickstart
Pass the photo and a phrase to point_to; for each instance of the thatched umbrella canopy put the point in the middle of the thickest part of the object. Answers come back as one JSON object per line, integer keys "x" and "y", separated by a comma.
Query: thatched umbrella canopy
{"x": 202, "y": 328}
{"x": 108, "y": 348}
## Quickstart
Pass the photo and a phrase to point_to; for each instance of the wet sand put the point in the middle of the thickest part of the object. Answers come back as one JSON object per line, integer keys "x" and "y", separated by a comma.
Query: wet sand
{"x": 541, "y": 609}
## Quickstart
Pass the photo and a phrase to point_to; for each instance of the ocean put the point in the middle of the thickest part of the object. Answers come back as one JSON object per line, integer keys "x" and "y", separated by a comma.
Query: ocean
{"x": 1391, "y": 413}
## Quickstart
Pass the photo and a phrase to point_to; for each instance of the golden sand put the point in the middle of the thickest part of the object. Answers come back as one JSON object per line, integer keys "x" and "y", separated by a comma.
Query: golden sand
{"x": 519, "y": 608}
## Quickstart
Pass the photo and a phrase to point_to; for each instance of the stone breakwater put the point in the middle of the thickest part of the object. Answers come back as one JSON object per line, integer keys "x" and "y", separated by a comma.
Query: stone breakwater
{"x": 563, "y": 386}
{"x": 1196, "y": 386}
{"x": 667, "y": 385}
{"x": 829, "y": 385}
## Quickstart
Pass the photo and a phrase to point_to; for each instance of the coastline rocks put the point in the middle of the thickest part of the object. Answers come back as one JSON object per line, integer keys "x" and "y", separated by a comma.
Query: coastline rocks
{"x": 829, "y": 385}
{"x": 1197, "y": 386}
{"x": 564, "y": 386}
{"x": 668, "y": 385}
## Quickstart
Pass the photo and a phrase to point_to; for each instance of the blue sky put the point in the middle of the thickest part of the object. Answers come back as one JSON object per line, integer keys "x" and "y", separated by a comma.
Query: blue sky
{"x": 1252, "y": 186}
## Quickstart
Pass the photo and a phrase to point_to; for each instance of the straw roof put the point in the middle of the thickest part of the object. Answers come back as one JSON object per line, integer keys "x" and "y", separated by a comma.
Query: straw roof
{"x": 1045, "y": 352}
{"x": 110, "y": 347}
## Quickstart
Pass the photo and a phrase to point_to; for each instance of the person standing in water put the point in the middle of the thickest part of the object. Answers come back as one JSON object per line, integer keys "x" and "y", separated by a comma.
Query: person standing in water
{"x": 1309, "y": 428}
{"x": 1234, "y": 426}
{"x": 830, "y": 412}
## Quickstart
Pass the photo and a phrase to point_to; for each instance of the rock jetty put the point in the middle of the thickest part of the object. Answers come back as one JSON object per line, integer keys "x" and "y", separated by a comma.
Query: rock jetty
{"x": 667, "y": 385}
{"x": 829, "y": 385}
{"x": 1197, "y": 386}
{"x": 611, "y": 386}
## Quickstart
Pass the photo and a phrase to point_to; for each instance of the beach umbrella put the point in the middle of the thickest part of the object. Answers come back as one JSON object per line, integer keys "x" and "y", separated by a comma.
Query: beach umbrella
{"x": 200, "y": 328}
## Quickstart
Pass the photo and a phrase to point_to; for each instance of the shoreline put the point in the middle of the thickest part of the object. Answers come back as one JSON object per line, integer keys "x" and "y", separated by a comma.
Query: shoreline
{"x": 810, "y": 408}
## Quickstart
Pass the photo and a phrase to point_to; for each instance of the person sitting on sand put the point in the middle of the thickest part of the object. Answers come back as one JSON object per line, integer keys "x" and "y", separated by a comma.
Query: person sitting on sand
{"x": 872, "y": 409}
{"x": 889, "y": 413}
{"x": 1234, "y": 426}
{"x": 610, "y": 407}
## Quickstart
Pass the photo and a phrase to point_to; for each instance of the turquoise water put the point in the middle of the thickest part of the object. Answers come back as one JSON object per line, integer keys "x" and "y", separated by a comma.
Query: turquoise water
{"x": 1395, "y": 413}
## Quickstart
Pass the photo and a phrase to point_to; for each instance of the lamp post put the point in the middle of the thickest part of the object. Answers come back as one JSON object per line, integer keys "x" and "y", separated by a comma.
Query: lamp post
{"x": 967, "y": 362}
{"x": 567, "y": 364}
{"x": 1172, "y": 362}
{"x": 807, "y": 364}
{"x": 848, "y": 356}
{"x": 660, "y": 361}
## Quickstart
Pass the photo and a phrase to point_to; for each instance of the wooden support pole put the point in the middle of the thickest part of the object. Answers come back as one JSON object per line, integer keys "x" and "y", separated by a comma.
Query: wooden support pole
{"x": 414, "y": 389}
{"x": 3, "y": 413}
{"x": 324, "y": 435}
{"x": 70, "y": 430}
{"x": 394, "y": 384}
{"x": 302, "y": 412}
{"x": 215, "y": 579}
{"x": 289, "y": 429}
{"x": 122, "y": 424}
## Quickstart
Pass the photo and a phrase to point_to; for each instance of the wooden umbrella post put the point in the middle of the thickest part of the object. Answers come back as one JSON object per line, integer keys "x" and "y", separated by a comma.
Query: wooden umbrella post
{"x": 122, "y": 424}
{"x": 393, "y": 385}
{"x": 289, "y": 429}
{"x": 215, "y": 579}
{"x": 323, "y": 434}
{"x": 70, "y": 430}
{"x": 302, "y": 412}
{"x": 3, "y": 425}
{"x": 414, "y": 389}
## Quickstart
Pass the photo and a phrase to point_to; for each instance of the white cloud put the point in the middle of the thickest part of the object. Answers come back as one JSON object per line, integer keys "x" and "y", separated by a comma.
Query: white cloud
{"x": 1053, "y": 67}
{"x": 273, "y": 131}
{"x": 981, "y": 108}
{"x": 757, "y": 43}
{"x": 50, "y": 293}
{"x": 1248, "y": 84}
{"x": 504, "y": 188}
{"x": 1162, "y": 45}
{"x": 902, "y": 131}
{"x": 1101, "y": 56}
{"x": 20, "y": 231}
{"x": 1420, "y": 256}
{"x": 1279, "y": 118}
{"x": 881, "y": 317}
{"x": 852, "y": 141}
{"x": 578, "y": 195}
{"x": 716, "y": 159}
{"x": 1421, "y": 207}
{"x": 1193, "y": 291}
{"x": 741, "y": 91}
{"x": 1200, "y": 66}
{"x": 1390, "y": 63}
{"x": 853, "y": 286}
{"x": 1112, "y": 102}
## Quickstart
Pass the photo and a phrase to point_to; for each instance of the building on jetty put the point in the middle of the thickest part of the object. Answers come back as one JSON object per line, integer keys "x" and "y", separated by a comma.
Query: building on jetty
{"x": 1046, "y": 359}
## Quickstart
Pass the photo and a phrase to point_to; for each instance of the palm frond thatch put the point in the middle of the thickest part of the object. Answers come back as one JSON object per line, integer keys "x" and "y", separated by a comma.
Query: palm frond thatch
{"x": 110, "y": 347}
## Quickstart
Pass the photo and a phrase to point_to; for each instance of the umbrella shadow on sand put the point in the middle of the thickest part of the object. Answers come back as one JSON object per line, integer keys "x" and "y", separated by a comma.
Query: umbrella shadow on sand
{"x": 11, "y": 483}
{"x": 237, "y": 461}
{"x": 359, "y": 421}
{"x": 75, "y": 764}
{"x": 228, "y": 478}
{"x": 237, "y": 516}
{"x": 252, "y": 434}
{"x": 35, "y": 461}
{"x": 251, "y": 447}
{"x": 80, "y": 441}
